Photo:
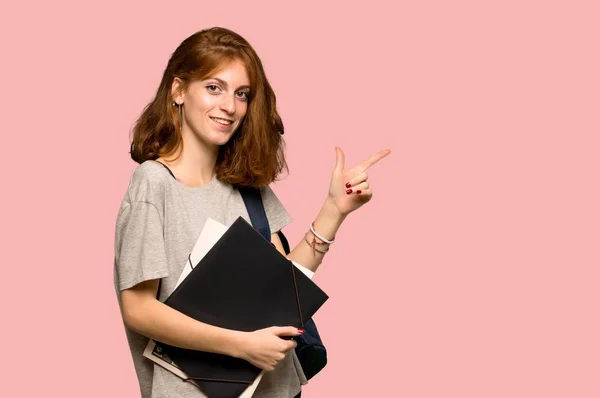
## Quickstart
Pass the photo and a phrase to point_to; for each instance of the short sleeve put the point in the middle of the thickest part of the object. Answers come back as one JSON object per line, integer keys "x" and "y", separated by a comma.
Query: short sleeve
{"x": 276, "y": 214}
{"x": 139, "y": 245}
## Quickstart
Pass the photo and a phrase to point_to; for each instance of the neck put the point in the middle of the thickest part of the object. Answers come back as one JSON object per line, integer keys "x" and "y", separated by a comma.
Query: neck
{"x": 195, "y": 165}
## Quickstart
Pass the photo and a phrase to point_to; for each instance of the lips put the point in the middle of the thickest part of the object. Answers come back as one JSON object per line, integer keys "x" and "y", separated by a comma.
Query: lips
{"x": 221, "y": 121}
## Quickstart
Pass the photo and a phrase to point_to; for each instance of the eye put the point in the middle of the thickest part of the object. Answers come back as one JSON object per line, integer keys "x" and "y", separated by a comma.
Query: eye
{"x": 243, "y": 95}
{"x": 212, "y": 88}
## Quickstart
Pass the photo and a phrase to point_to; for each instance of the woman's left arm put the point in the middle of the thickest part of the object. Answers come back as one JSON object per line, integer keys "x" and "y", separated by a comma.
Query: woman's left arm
{"x": 348, "y": 191}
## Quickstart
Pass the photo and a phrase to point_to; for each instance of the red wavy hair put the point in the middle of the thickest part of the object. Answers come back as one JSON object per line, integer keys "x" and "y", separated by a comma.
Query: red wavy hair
{"x": 254, "y": 156}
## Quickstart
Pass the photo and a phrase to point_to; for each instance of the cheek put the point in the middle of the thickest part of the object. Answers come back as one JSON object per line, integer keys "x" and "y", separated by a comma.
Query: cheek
{"x": 242, "y": 109}
{"x": 206, "y": 102}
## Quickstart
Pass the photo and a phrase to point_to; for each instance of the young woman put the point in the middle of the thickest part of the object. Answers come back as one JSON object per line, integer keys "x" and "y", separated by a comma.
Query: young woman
{"x": 212, "y": 127}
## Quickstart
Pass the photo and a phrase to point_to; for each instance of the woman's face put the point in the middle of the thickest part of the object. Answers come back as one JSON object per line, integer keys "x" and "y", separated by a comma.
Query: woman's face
{"x": 215, "y": 107}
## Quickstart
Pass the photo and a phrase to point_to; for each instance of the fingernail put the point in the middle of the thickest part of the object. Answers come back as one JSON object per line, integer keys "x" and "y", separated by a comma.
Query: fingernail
{"x": 349, "y": 191}
{"x": 358, "y": 192}
{"x": 348, "y": 185}
{"x": 300, "y": 330}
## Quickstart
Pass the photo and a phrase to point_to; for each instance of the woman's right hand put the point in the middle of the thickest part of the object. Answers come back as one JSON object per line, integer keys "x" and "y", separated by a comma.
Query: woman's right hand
{"x": 265, "y": 348}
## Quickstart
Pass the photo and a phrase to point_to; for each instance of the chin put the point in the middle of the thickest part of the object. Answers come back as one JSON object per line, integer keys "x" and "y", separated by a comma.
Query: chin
{"x": 214, "y": 137}
{"x": 222, "y": 140}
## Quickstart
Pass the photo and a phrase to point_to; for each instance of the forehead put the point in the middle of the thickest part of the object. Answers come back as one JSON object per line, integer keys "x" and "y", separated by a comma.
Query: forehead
{"x": 233, "y": 73}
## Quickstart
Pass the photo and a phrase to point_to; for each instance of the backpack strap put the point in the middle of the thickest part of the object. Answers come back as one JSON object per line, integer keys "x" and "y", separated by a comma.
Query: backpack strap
{"x": 258, "y": 217}
{"x": 256, "y": 210}
{"x": 284, "y": 242}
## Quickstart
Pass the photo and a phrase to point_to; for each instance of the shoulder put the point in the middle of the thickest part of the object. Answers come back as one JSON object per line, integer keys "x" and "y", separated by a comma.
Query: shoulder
{"x": 276, "y": 212}
{"x": 148, "y": 183}
{"x": 267, "y": 193}
{"x": 270, "y": 199}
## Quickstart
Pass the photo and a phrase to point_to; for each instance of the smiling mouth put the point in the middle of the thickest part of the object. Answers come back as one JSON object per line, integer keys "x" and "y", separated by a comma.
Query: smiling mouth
{"x": 223, "y": 122}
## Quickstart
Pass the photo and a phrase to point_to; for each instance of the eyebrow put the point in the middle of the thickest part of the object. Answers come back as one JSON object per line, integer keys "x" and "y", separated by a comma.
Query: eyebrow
{"x": 224, "y": 83}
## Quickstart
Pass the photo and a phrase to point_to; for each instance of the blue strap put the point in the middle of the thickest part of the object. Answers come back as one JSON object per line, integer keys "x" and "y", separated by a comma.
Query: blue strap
{"x": 256, "y": 210}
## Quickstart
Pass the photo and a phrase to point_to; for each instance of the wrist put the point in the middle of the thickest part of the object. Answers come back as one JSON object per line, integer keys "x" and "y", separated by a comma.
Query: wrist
{"x": 235, "y": 344}
{"x": 328, "y": 220}
{"x": 331, "y": 211}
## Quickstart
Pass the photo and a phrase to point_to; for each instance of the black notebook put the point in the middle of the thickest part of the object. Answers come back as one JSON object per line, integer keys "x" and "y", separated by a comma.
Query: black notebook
{"x": 242, "y": 283}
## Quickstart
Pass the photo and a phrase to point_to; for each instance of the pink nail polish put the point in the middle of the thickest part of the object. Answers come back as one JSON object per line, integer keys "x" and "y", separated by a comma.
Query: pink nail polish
{"x": 300, "y": 330}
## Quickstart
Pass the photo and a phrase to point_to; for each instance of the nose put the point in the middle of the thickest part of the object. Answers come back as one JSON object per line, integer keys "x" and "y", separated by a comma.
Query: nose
{"x": 228, "y": 104}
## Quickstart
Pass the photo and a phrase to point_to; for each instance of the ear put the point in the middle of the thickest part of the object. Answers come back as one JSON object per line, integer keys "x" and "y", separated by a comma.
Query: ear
{"x": 177, "y": 91}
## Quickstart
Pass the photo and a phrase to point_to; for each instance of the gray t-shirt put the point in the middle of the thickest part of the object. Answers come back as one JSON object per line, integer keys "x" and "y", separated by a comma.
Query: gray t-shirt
{"x": 158, "y": 224}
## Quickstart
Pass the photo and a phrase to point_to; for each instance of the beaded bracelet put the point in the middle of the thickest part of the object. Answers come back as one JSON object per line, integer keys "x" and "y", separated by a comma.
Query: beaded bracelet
{"x": 313, "y": 245}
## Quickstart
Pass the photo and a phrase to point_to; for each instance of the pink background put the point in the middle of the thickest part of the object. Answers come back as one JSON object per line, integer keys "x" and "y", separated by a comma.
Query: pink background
{"x": 472, "y": 273}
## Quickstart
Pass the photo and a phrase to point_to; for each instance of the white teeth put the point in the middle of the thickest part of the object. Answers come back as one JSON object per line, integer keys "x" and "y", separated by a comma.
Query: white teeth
{"x": 222, "y": 121}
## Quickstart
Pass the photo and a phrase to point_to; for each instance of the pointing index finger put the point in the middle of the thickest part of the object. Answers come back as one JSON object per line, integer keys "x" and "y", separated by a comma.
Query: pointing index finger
{"x": 365, "y": 164}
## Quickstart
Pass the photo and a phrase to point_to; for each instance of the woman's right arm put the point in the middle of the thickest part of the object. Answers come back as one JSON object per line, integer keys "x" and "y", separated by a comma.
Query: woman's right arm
{"x": 146, "y": 315}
